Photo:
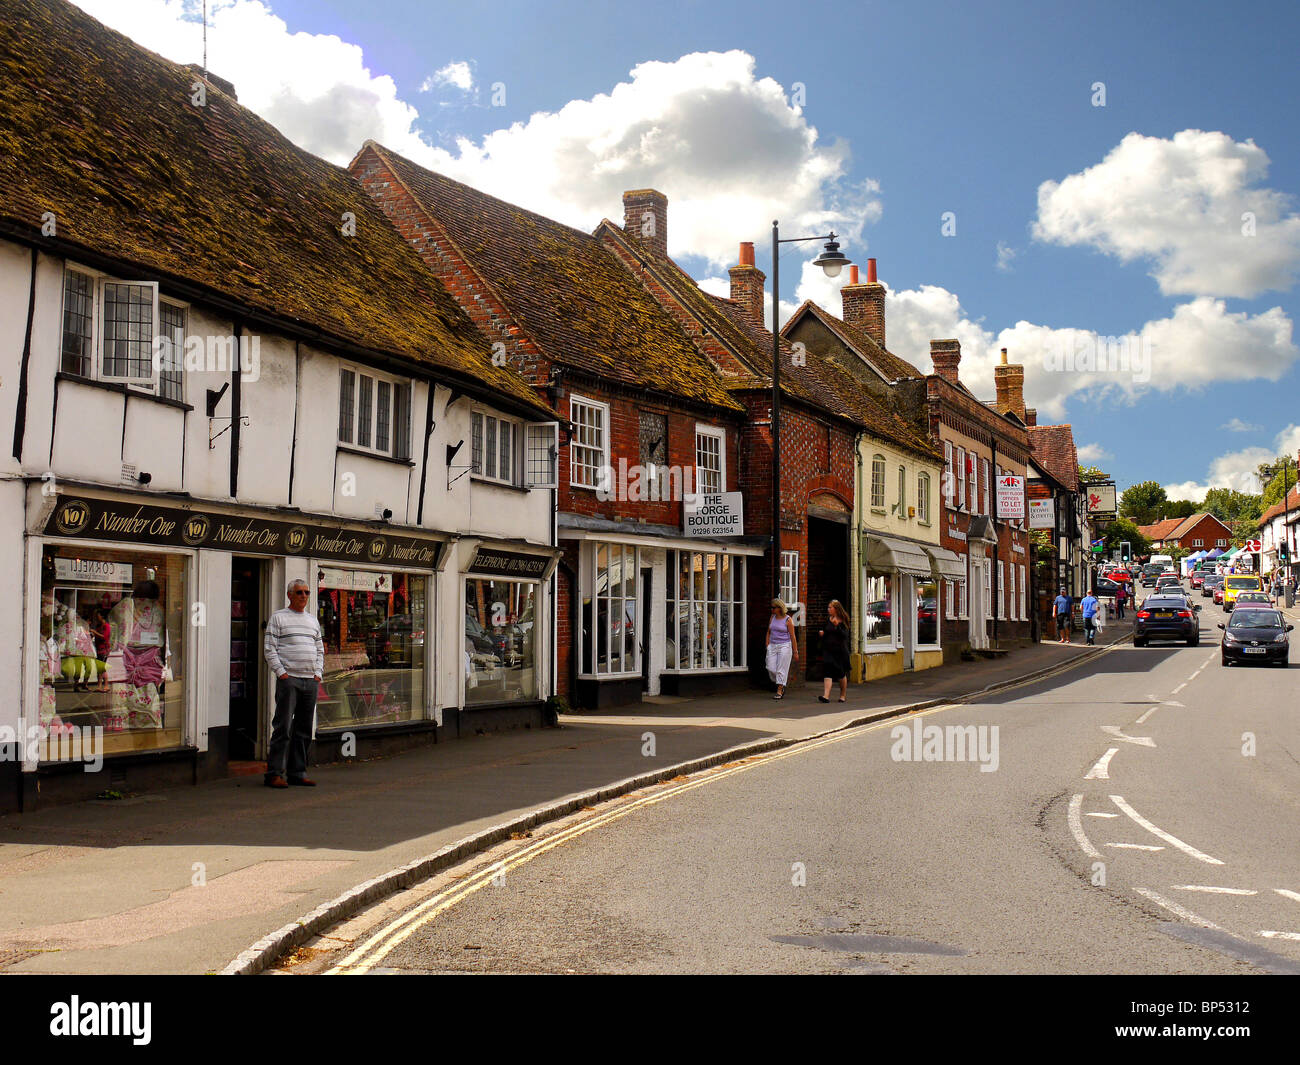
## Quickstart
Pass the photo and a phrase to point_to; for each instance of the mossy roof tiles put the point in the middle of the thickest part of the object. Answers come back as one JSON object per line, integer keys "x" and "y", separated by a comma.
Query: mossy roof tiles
{"x": 103, "y": 134}
{"x": 570, "y": 293}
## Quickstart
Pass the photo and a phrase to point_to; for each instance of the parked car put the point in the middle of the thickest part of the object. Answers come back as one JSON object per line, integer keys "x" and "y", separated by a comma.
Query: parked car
{"x": 1254, "y": 598}
{"x": 1211, "y": 581}
{"x": 1198, "y": 578}
{"x": 1170, "y": 617}
{"x": 1254, "y": 634}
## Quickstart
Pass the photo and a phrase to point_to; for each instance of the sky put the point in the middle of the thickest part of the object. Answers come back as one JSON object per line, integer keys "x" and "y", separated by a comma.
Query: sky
{"x": 1108, "y": 190}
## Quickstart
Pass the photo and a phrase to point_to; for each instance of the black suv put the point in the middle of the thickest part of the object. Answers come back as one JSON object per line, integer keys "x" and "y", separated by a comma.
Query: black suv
{"x": 1167, "y": 617}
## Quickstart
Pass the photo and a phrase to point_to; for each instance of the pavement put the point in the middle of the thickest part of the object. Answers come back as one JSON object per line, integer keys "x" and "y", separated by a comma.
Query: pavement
{"x": 222, "y": 876}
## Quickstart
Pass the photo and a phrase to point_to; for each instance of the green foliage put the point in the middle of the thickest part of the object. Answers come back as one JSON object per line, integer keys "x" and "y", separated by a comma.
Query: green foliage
{"x": 1123, "y": 529}
{"x": 1143, "y": 503}
{"x": 1277, "y": 480}
{"x": 1087, "y": 474}
{"x": 1179, "y": 508}
{"x": 1229, "y": 505}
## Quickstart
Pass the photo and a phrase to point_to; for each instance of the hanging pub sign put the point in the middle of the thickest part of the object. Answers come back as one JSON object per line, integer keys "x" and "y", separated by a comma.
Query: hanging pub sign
{"x": 154, "y": 526}
{"x": 1101, "y": 498}
{"x": 1042, "y": 514}
{"x": 717, "y": 514}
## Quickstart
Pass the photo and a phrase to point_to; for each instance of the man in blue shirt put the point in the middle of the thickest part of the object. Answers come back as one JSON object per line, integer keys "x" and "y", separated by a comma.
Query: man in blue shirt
{"x": 1063, "y": 605}
{"x": 1089, "y": 608}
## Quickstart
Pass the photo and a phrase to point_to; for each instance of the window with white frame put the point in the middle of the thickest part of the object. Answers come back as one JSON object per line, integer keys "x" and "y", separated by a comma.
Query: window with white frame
{"x": 589, "y": 445}
{"x": 923, "y": 498}
{"x": 789, "y": 578}
{"x": 1003, "y": 590}
{"x": 950, "y": 599}
{"x": 1198, "y": 543}
{"x": 705, "y": 605}
{"x": 710, "y": 460}
{"x": 988, "y": 590}
{"x": 610, "y": 622}
{"x": 1024, "y": 616}
{"x": 112, "y": 330}
{"x": 878, "y": 482}
{"x": 495, "y": 448}
{"x": 1220, "y": 543}
{"x": 963, "y": 599}
{"x": 962, "y": 499}
{"x": 984, "y": 466}
{"x": 374, "y": 412}
{"x": 902, "y": 491}
{"x": 947, "y": 473}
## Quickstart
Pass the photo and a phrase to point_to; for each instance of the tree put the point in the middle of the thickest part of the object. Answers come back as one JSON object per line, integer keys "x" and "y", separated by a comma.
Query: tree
{"x": 1088, "y": 474}
{"x": 1143, "y": 502}
{"x": 1179, "y": 508}
{"x": 1229, "y": 505}
{"x": 1280, "y": 481}
{"x": 1122, "y": 529}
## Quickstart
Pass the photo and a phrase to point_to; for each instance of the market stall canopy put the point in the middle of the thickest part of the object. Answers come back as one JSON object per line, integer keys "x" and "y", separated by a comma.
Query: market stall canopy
{"x": 884, "y": 554}
{"x": 1215, "y": 553}
{"x": 945, "y": 564}
{"x": 1231, "y": 554}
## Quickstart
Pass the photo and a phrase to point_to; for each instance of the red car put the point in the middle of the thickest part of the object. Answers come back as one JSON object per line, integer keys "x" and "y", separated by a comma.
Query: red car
{"x": 1198, "y": 578}
{"x": 1218, "y": 595}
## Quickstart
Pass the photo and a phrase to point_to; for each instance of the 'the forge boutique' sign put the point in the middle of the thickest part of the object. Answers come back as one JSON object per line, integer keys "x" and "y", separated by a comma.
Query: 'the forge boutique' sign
{"x": 150, "y": 526}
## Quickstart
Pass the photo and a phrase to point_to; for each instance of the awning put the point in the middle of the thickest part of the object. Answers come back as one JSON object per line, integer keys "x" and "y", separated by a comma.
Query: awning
{"x": 945, "y": 564}
{"x": 884, "y": 554}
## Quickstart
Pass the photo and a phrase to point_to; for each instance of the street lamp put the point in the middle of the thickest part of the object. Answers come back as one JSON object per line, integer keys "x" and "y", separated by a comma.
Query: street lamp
{"x": 832, "y": 261}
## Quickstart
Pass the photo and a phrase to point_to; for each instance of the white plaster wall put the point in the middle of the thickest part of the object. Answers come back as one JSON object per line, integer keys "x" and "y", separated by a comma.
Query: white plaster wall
{"x": 152, "y": 442}
{"x": 87, "y": 433}
{"x": 266, "y": 442}
{"x": 13, "y": 560}
{"x": 210, "y": 643}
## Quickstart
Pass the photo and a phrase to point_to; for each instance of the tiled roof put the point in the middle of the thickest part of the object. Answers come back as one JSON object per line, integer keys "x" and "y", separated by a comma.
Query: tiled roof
{"x": 1053, "y": 449}
{"x": 886, "y": 363}
{"x": 1292, "y": 502}
{"x": 1186, "y": 525}
{"x": 818, "y": 383}
{"x": 579, "y": 305}
{"x": 1161, "y": 530}
{"x": 103, "y": 134}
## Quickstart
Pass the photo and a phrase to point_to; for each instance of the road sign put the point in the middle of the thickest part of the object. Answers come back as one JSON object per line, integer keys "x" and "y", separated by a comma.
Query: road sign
{"x": 1254, "y": 546}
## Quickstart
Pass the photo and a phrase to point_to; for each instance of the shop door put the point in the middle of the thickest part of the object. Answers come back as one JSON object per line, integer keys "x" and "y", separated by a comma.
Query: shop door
{"x": 246, "y": 622}
{"x": 643, "y": 637}
{"x": 906, "y": 613}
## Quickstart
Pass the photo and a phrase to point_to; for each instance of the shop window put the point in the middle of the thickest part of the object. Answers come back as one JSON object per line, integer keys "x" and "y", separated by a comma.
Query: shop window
{"x": 500, "y": 655}
{"x": 112, "y": 651}
{"x": 705, "y": 623}
{"x": 589, "y": 445}
{"x": 609, "y": 612}
{"x": 374, "y": 412}
{"x": 927, "y": 614}
{"x": 878, "y": 622}
{"x": 374, "y": 625}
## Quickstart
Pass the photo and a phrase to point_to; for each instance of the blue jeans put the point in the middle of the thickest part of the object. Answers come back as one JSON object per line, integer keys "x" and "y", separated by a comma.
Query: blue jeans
{"x": 295, "y": 709}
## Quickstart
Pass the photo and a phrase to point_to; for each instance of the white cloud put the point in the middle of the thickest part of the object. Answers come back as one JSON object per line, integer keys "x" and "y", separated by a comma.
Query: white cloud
{"x": 1006, "y": 254}
{"x": 457, "y": 75}
{"x": 1179, "y": 203}
{"x": 1237, "y": 469}
{"x": 1094, "y": 453}
{"x": 724, "y": 144}
{"x": 1236, "y": 425}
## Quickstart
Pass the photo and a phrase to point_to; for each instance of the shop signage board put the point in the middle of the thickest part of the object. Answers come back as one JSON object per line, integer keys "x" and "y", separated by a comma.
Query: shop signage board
{"x": 92, "y": 571}
{"x": 355, "y": 580}
{"x": 147, "y": 525}
{"x": 499, "y": 563}
{"x": 1042, "y": 514}
{"x": 1011, "y": 498}
{"x": 1101, "y": 498}
{"x": 719, "y": 514}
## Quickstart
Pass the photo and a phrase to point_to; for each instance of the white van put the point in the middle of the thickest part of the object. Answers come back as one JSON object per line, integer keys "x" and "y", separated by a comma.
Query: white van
{"x": 1167, "y": 561}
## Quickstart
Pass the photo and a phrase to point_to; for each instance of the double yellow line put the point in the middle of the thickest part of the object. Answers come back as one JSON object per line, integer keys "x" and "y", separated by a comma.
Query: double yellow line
{"x": 375, "y": 949}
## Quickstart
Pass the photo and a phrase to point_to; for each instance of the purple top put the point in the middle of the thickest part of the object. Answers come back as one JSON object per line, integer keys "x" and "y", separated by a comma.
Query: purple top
{"x": 777, "y": 631}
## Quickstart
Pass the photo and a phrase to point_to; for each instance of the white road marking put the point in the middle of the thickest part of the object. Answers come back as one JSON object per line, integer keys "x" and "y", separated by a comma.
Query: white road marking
{"x": 1294, "y": 896}
{"x": 1187, "y": 849}
{"x": 1215, "y": 890}
{"x": 1281, "y": 935}
{"x": 1179, "y": 688}
{"x": 1103, "y": 815}
{"x": 1176, "y": 910}
{"x": 1170, "y": 702}
{"x": 1141, "y": 741}
{"x": 1153, "y": 698}
{"x": 1136, "y": 846}
{"x": 1076, "y": 827}
{"x": 1143, "y": 718}
{"x": 1101, "y": 771}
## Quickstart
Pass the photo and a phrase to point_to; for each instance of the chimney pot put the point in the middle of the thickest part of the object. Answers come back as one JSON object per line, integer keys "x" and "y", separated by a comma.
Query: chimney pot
{"x": 747, "y": 283}
{"x": 853, "y": 274}
{"x": 746, "y": 253}
{"x": 871, "y": 271}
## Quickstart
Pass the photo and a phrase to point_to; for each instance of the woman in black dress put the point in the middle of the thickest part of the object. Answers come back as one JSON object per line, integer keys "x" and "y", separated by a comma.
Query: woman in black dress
{"x": 835, "y": 652}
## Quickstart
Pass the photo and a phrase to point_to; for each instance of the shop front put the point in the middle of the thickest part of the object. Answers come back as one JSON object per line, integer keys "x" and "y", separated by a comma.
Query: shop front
{"x": 898, "y": 629}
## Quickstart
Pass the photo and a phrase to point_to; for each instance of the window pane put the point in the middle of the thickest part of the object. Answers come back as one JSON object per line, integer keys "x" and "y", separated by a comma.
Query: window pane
{"x": 878, "y": 481}
{"x": 708, "y": 462}
{"x": 366, "y": 404}
{"x": 383, "y": 414}
{"x": 402, "y": 428}
{"x": 128, "y": 331}
{"x": 476, "y": 441}
{"x": 171, "y": 320}
{"x": 506, "y": 469}
{"x": 500, "y": 641}
{"x": 78, "y": 319}
{"x": 347, "y": 405}
{"x": 490, "y": 447}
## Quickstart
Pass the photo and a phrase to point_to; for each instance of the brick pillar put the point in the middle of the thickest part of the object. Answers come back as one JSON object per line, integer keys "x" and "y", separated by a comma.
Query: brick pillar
{"x": 946, "y": 356}
{"x": 1010, "y": 382}
{"x": 863, "y": 305}
{"x": 645, "y": 219}
{"x": 747, "y": 283}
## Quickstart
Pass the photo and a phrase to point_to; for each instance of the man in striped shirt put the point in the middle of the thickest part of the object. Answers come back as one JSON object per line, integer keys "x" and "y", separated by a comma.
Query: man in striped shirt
{"x": 295, "y": 651}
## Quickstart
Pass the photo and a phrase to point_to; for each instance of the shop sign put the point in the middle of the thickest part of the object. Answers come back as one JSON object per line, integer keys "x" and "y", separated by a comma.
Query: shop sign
{"x": 498, "y": 563}
{"x": 1011, "y": 498}
{"x": 1042, "y": 514}
{"x": 154, "y": 526}
{"x": 355, "y": 580}
{"x": 719, "y": 514}
{"x": 956, "y": 534}
{"x": 1101, "y": 498}
{"x": 92, "y": 571}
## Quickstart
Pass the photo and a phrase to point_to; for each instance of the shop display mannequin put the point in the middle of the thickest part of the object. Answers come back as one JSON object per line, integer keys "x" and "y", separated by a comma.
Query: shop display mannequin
{"x": 137, "y": 631}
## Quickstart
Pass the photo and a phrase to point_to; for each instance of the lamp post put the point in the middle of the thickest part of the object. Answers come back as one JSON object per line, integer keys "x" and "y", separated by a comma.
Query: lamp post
{"x": 832, "y": 261}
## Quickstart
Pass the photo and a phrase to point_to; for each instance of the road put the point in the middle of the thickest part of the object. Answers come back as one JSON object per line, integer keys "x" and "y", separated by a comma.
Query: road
{"x": 1136, "y": 815}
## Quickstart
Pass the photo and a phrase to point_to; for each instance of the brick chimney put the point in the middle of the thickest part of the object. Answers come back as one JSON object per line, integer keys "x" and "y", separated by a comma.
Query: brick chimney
{"x": 747, "y": 282}
{"x": 946, "y": 356}
{"x": 1031, "y": 415}
{"x": 645, "y": 219}
{"x": 1010, "y": 382}
{"x": 863, "y": 306}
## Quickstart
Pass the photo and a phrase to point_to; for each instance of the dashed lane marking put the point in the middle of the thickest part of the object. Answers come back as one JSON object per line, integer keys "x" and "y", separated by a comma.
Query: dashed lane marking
{"x": 1176, "y": 910}
{"x": 1160, "y": 833}
{"x": 1101, "y": 771}
{"x": 1213, "y": 890}
{"x": 1141, "y": 741}
{"x": 1136, "y": 846}
{"x": 1143, "y": 718}
{"x": 1076, "y": 827}
{"x": 1281, "y": 935}
{"x": 1294, "y": 896}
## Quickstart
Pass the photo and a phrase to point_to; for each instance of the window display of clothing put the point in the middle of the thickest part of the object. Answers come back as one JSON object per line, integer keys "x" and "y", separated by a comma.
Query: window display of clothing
{"x": 137, "y": 631}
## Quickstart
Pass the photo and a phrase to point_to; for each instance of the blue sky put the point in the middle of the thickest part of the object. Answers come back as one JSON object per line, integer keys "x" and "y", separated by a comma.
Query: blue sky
{"x": 917, "y": 109}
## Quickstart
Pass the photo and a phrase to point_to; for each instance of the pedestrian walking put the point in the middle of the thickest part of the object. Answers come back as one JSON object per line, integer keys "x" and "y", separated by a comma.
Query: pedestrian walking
{"x": 1063, "y": 605}
{"x": 295, "y": 651}
{"x": 1121, "y": 598}
{"x": 1089, "y": 607}
{"x": 782, "y": 647}
{"x": 835, "y": 651}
